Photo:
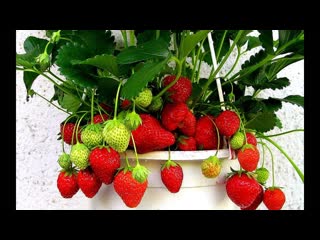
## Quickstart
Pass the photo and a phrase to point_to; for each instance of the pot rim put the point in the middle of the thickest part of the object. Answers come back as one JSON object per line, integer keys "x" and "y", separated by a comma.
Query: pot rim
{"x": 198, "y": 155}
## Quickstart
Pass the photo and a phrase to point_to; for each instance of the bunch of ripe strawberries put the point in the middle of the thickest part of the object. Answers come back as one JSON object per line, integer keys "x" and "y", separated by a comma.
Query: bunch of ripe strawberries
{"x": 94, "y": 157}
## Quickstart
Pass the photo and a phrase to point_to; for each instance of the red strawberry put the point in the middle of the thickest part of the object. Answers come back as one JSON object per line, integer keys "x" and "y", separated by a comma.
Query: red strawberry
{"x": 125, "y": 104}
{"x": 88, "y": 182}
{"x": 180, "y": 91}
{"x": 256, "y": 202}
{"x": 242, "y": 190}
{"x": 228, "y": 123}
{"x": 206, "y": 134}
{"x": 100, "y": 118}
{"x": 104, "y": 162}
{"x": 67, "y": 183}
{"x": 129, "y": 189}
{"x": 248, "y": 157}
{"x": 188, "y": 124}
{"x": 150, "y": 136}
{"x": 172, "y": 176}
{"x": 187, "y": 143}
{"x": 274, "y": 198}
{"x": 173, "y": 115}
{"x": 251, "y": 139}
{"x": 66, "y": 133}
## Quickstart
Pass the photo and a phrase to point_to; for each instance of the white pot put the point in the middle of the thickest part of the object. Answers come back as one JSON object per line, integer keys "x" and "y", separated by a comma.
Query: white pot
{"x": 197, "y": 191}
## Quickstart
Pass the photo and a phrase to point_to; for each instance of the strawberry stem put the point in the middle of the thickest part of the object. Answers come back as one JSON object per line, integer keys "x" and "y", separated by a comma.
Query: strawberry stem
{"x": 78, "y": 124}
{"x": 135, "y": 150}
{"x": 116, "y": 104}
{"x": 283, "y": 133}
{"x": 124, "y": 35}
{"x": 92, "y": 101}
{"x": 286, "y": 155}
{"x": 272, "y": 161}
{"x": 217, "y": 131}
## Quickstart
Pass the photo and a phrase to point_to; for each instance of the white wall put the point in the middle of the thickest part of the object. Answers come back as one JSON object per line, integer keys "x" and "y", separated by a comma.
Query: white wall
{"x": 37, "y": 149}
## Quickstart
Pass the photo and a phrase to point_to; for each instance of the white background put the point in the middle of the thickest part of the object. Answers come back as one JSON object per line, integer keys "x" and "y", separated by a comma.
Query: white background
{"x": 37, "y": 148}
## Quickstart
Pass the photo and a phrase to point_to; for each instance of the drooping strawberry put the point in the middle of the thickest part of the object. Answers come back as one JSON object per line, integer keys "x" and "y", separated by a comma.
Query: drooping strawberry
{"x": 274, "y": 198}
{"x": 242, "y": 190}
{"x": 100, "y": 118}
{"x": 180, "y": 91}
{"x": 211, "y": 167}
{"x": 64, "y": 161}
{"x": 256, "y": 202}
{"x": 188, "y": 124}
{"x": 206, "y": 134}
{"x": 67, "y": 183}
{"x": 67, "y": 131}
{"x": 262, "y": 175}
{"x": 104, "y": 162}
{"x": 172, "y": 176}
{"x": 251, "y": 139}
{"x": 248, "y": 157}
{"x": 150, "y": 136}
{"x": 237, "y": 140}
{"x": 228, "y": 123}
{"x": 91, "y": 135}
{"x": 129, "y": 189}
{"x": 79, "y": 155}
{"x": 187, "y": 143}
{"x": 173, "y": 114}
{"x": 144, "y": 98}
{"x": 88, "y": 182}
{"x": 116, "y": 134}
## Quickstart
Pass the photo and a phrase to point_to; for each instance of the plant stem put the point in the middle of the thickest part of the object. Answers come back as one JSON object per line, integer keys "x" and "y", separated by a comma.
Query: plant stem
{"x": 157, "y": 34}
{"x": 132, "y": 36}
{"x": 272, "y": 162}
{"x": 212, "y": 77}
{"x": 196, "y": 61}
{"x": 92, "y": 101}
{"x": 283, "y": 133}
{"x": 116, "y": 104}
{"x": 221, "y": 44}
{"x": 286, "y": 155}
{"x": 173, "y": 82}
{"x": 135, "y": 150}
{"x": 235, "y": 63}
{"x": 124, "y": 35}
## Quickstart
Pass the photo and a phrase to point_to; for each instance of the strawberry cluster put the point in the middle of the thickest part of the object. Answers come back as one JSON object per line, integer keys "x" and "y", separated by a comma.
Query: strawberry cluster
{"x": 163, "y": 123}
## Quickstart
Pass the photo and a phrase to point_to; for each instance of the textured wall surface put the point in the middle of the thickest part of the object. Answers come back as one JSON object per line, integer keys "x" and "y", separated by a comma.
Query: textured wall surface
{"x": 37, "y": 149}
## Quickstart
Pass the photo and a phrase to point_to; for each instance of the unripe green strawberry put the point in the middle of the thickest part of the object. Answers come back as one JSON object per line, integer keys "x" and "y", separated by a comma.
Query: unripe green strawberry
{"x": 262, "y": 175}
{"x": 79, "y": 155}
{"x": 155, "y": 105}
{"x": 211, "y": 167}
{"x": 132, "y": 120}
{"x": 117, "y": 135}
{"x": 64, "y": 161}
{"x": 91, "y": 135}
{"x": 144, "y": 98}
{"x": 237, "y": 140}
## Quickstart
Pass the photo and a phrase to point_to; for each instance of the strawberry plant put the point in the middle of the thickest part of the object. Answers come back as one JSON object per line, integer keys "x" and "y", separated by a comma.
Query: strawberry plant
{"x": 149, "y": 94}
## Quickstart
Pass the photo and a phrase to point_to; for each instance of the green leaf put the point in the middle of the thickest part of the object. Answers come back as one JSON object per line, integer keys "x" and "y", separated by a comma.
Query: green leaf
{"x": 69, "y": 102}
{"x": 287, "y": 35}
{"x": 262, "y": 121}
{"x": 139, "y": 79}
{"x": 33, "y": 43}
{"x": 272, "y": 104}
{"x": 278, "y": 123}
{"x": 26, "y": 60}
{"x": 148, "y": 35}
{"x": 28, "y": 78}
{"x": 107, "y": 89}
{"x": 107, "y": 62}
{"x": 278, "y": 83}
{"x": 191, "y": 41}
{"x": 291, "y": 41}
{"x": 152, "y": 49}
{"x": 79, "y": 74}
{"x": 267, "y": 40}
{"x": 253, "y": 42}
{"x": 293, "y": 99}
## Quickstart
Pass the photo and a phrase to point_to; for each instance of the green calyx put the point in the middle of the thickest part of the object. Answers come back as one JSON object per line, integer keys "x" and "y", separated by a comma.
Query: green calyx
{"x": 69, "y": 172}
{"x": 91, "y": 135}
{"x": 55, "y": 37}
{"x": 155, "y": 105}
{"x": 247, "y": 146}
{"x": 79, "y": 155}
{"x": 169, "y": 163}
{"x": 64, "y": 161}
{"x": 44, "y": 60}
{"x": 211, "y": 167}
{"x": 116, "y": 135}
{"x": 140, "y": 173}
{"x": 144, "y": 98}
{"x": 262, "y": 175}
{"x": 132, "y": 120}
{"x": 237, "y": 140}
